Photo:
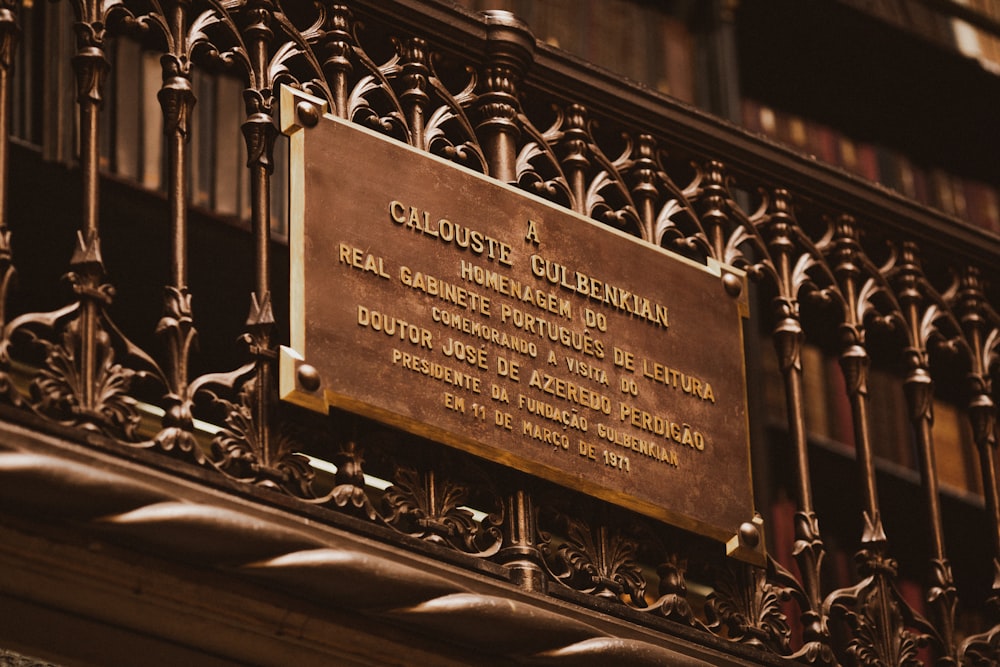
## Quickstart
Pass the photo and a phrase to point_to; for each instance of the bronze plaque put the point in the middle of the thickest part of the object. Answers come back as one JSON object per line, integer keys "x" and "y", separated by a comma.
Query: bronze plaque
{"x": 460, "y": 309}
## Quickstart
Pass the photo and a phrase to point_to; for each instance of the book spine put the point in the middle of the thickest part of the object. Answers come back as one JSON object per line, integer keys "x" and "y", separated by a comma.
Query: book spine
{"x": 815, "y": 389}
{"x": 678, "y": 45}
{"x": 955, "y": 464}
{"x": 839, "y": 408}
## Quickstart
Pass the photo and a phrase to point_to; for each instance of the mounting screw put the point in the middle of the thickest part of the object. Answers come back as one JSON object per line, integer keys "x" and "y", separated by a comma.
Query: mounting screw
{"x": 749, "y": 534}
{"x": 732, "y": 284}
{"x": 308, "y": 377}
{"x": 307, "y": 113}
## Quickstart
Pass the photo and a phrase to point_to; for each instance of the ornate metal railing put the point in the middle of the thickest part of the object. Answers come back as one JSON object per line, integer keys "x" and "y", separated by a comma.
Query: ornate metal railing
{"x": 836, "y": 260}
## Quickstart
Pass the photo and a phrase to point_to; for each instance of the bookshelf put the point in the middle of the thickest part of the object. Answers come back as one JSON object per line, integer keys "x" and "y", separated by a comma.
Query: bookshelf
{"x": 970, "y": 199}
{"x": 969, "y": 27}
{"x": 828, "y": 422}
{"x": 667, "y": 46}
{"x": 909, "y": 66}
{"x": 132, "y": 148}
{"x": 652, "y": 43}
{"x": 900, "y": 104}
{"x": 903, "y": 103}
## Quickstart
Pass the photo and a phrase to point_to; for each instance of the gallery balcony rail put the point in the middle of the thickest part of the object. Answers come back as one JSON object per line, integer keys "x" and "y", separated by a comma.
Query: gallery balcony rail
{"x": 865, "y": 278}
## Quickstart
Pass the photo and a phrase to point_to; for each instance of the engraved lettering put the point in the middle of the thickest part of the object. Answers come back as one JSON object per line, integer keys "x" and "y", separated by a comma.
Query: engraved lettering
{"x": 613, "y": 460}
{"x": 447, "y": 231}
{"x": 532, "y": 234}
{"x": 675, "y": 379}
{"x": 395, "y": 327}
{"x": 397, "y": 212}
{"x": 453, "y": 402}
{"x": 452, "y": 319}
{"x": 570, "y": 391}
{"x": 663, "y": 427}
{"x": 624, "y": 359}
{"x": 507, "y": 368}
{"x": 553, "y": 331}
{"x": 515, "y": 289}
{"x": 357, "y": 258}
{"x": 589, "y": 371}
{"x": 613, "y": 296}
{"x": 499, "y": 393}
{"x": 567, "y": 418}
{"x": 544, "y": 434}
{"x": 504, "y": 420}
{"x": 436, "y": 371}
{"x": 646, "y": 448}
{"x": 467, "y": 353}
{"x": 484, "y": 332}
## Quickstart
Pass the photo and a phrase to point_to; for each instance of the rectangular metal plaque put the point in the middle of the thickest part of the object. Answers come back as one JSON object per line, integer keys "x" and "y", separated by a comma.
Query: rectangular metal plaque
{"x": 460, "y": 309}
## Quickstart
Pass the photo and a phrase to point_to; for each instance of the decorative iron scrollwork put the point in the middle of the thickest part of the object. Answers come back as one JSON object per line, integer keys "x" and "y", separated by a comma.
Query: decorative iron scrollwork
{"x": 433, "y": 507}
{"x": 349, "y": 491}
{"x": 80, "y": 380}
{"x": 595, "y": 558}
{"x": 672, "y": 602}
{"x": 748, "y": 606}
{"x": 83, "y": 372}
{"x": 884, "y": 629}
{"x": 238, "y": 450}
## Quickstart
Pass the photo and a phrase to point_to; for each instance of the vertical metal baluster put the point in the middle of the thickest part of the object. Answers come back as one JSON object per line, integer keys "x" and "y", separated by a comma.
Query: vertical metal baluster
{"x": 854, "y": 362}
{"x": 982, "y": 339}
{"x": 413, "y": 55}
{"x": 574, "y": 148}
{"x": 337, "y": 45}
{"x": 879, "y": 619}
{"x": 983, "y": 336}
{"x": 788, "y": 339}
{"x": 644, "y": 190}
{"x": 91, "y": 67}
{"x": 177, "y": 325}
{"x": 260, "y": 132}
{"x": 80, "y": 382}
{"x": 713, "y": 217}
{"x": 520, "y": 552}
{"x": 8, "y": 40}
{"x": 875, "y": 621}
{"x": 919, "y": 390}
{"x": 510, "y": 48}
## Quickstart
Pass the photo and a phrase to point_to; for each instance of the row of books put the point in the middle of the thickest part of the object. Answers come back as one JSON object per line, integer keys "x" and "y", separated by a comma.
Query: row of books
{"x": 829, "y": 419}
{"x": 976, "y": 43}
{"x": 944, "y": 28}
{"x": 131, "y": 135}
{"x": 968, "y": 199}
{"x": 839, "y": 571}
{"x": 218, "y": 180}
{"x": 915, "y": 17}
{"x": 638, "y": 39}
{"x": 131, "y": 131}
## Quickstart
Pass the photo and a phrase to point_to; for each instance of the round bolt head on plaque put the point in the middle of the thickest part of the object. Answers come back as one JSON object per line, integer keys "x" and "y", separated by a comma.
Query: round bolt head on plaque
{"x": 308, "y": 377}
